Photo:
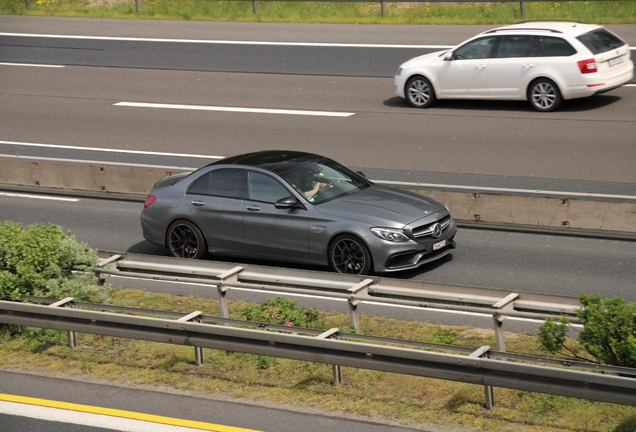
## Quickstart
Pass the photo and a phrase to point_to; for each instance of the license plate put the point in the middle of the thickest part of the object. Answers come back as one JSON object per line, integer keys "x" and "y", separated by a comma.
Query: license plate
{"x": 439, "y": 245}
{"x": 615, "y": 61}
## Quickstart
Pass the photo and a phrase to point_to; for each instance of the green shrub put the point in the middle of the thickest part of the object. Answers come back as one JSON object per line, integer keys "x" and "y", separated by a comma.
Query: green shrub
{"x": 45, "y": 261}
{"x": 608, "y": 335}
{"x": 281, "y": 311}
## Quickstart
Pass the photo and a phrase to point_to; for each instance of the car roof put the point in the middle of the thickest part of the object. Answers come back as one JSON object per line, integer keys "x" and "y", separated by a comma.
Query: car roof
{"x": 572, "y": 28}
{"x": 277, "y": 161}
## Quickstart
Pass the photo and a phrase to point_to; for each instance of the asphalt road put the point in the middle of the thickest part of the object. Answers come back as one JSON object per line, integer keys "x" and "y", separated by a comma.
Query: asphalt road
{"x": 587, "y": 146}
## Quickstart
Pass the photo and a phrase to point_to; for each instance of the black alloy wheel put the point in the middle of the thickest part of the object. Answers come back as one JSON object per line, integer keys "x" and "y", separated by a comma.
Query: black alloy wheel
{"x": 349, "y": 255}
{"x": 544, "y": 95}
{"x": 185, "y": 240}
{"x": 419, "y": 92}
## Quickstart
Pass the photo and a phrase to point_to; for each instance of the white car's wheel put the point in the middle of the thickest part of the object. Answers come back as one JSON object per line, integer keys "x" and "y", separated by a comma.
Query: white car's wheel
{"x": 419, "y": 92}
{"x": 544, "y": 95}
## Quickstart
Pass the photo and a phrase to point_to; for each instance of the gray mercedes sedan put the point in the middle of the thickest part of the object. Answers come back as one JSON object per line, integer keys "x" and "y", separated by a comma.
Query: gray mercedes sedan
{"x": 296, "y": 207}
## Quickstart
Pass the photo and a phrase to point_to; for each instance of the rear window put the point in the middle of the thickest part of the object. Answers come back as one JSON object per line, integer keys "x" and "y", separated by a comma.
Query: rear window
{"x": 600, "y": 41}
{"x": 557, "y": 47}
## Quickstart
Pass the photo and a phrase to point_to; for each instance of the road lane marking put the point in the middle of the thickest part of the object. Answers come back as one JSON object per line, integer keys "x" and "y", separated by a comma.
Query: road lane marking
{"x": 43, "y": 197}
{"x": 107, "y": 150}
{"x": 104, "y": 417}
{"x": 31, "y": 65}
{"x": 227, "y": 42}
{"x": 235, "y": 109}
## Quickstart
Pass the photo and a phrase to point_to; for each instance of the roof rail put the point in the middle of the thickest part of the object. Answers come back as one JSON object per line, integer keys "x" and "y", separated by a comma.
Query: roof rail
{"x": 523, "y": 29}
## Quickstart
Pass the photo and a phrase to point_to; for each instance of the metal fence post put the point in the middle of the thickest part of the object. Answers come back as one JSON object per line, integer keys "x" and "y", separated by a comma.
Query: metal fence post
{"x": 522, "y": 8}
{"x": 254, "y": 6}
{"x": 198, "y": 351}
{"x": 353, "y": 314}
{"x": 490, "y": 395}
{"x": 382, "y": 8}
{"x": 337, "y": 372}
{"x": 137, "y": 6}
{"x": 67, "y": 302}
{"x": 499, "y": 333}
{"x": 231, "y": 275}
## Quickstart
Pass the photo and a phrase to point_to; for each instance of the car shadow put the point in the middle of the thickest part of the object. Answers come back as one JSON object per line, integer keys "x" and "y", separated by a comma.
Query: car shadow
{"x": 573, "y": 105}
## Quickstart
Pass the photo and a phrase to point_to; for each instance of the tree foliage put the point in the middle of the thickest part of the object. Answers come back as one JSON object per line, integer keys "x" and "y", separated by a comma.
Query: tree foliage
{"x": 45, "y": 261}
{"x": 608, "y": 335}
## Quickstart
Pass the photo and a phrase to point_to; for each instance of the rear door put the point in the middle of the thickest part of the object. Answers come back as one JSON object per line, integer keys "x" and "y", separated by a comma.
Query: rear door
{"x": 215, "y": 200}
{"x": 516, "y": 59}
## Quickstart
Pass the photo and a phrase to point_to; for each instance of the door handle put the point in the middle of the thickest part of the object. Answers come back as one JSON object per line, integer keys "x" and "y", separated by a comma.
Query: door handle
{"x": 253, "y": 208}
{"x": 528, "y": 66}
{"x": 481, "y": 67}
{"x": 198, "y": 203}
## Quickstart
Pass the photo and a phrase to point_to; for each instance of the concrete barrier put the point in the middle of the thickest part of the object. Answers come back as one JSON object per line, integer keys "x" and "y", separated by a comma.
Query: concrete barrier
{"x": 536, "y": 210}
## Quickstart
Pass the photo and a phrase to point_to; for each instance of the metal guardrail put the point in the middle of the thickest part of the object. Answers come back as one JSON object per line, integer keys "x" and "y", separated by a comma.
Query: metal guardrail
{"x": 321, "y": 347}
{"x": 500, "y": 304}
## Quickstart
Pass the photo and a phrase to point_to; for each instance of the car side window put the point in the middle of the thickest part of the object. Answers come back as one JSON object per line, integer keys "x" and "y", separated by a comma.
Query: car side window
{"x": 557, "y": 47}
{"x": 519, "y": 46}
{"x": 478, "y": 49}
{"x": 223, "y": 183}
{"x": 264, "y": 188}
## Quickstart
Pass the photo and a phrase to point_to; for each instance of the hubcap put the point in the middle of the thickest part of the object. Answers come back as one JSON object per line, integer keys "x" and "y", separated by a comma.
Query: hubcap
{"x": 183, "y": 242}
{"x": 348, "y": 257}
{"x": 419, "y": 92}
{"x": 544, "y": 95}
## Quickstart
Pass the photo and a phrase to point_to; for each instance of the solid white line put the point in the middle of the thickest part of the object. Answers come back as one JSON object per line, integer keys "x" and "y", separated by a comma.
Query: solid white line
{"x": 26, "y": 144}
{"x": 87, "y": 419}
{"x": 234, "y": 109}
{"x": 508, "y": 190}
{"x": 225, "y": 42}
{"x": 42, "y": 197}
{"x": 31, "y": 65}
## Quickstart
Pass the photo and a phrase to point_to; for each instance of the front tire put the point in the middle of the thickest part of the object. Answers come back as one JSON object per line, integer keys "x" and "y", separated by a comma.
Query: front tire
{"x": 544, "y": 95}
{"x": 185, "y": 240}
{"x": 419, "y": 92}
{"x": 349, "y": 255}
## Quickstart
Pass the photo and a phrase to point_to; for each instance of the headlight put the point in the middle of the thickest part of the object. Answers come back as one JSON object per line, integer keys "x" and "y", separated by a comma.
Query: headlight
{"x": 399, "y": 72}
{"x": 390, "y": 234}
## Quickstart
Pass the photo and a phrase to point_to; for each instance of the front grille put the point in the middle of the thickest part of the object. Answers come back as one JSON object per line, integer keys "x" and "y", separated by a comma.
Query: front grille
{"x": 423, "y": 231}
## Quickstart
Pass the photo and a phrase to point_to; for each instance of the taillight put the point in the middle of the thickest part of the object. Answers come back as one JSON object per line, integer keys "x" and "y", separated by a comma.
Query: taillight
{"x": 587, "y": 66}
{"x": 149, "y": 201}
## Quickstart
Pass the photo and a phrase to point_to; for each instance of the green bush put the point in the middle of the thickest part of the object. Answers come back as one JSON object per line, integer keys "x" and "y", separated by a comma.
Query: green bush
{"x": 47, "y": 262}
{"x": 608, "y": 335}
{"x": 281, "y": 311}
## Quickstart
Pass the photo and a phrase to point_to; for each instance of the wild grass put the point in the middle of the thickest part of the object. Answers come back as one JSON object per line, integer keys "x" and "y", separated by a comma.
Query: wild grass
{"x": 603, "y": 12}
{"x": 405, "y": 399}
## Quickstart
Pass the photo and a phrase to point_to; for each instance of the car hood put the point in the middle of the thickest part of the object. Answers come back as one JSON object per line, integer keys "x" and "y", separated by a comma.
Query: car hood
{"x": 433, "y": 57}
{"x": 382, "y": 206}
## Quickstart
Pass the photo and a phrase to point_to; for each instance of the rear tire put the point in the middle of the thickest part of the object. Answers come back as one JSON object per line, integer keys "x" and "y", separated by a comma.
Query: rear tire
{"x": 419, "y": 92}
{"x": 349, "y": 255}
{"x": 185, "y": 240}
{"x": 544, "y": 95}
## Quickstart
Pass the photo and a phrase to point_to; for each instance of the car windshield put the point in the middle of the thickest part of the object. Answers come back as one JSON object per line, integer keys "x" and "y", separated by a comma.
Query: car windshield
{"x": 322, "y": 180}
{"x": 600, "y": 41}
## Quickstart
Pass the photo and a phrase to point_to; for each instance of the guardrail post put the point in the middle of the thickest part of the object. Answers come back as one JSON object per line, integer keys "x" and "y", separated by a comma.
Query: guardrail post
{"x": 382, "y": 8}
{"x": 102, "y": 263}
{"x": 67, "y": 302}
{"x": 353, "y": 314}
{"x": 232, "y": 275}
{"x": 522, "y": 8}
{"x": 499, "y": 333}
{"x": 198, "y": 351}
{"x": 337, "y": 372}
{"x": 490, "y": 395}
{"x": 254, "y": 6}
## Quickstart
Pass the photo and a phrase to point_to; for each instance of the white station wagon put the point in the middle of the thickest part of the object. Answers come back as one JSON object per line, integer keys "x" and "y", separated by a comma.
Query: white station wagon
{"x": 541, "y": 62}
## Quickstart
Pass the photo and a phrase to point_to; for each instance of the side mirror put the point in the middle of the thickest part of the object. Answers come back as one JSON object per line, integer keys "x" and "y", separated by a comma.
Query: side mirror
{"x": 361, "y": 174}
{"x": 448, "y": 56}
{"x": 287, "y": 203}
